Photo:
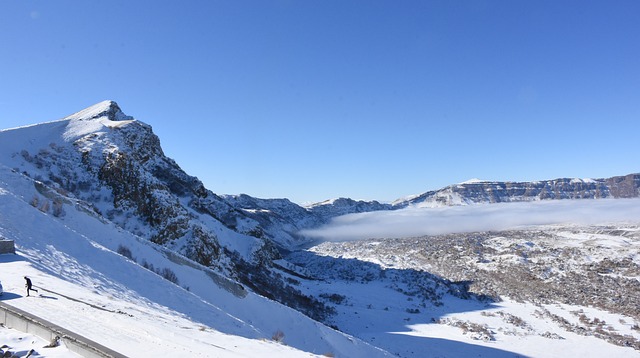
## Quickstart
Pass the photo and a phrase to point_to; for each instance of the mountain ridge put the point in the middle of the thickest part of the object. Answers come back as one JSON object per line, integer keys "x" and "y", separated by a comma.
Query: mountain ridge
{"x": 624, "y": 186}
{"x": 119, "y": 171}
{"x": 126, "y": 156}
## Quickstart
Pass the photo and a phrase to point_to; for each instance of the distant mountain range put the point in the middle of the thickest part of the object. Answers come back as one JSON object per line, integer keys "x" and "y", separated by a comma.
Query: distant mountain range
{"x": 478, "y": 192}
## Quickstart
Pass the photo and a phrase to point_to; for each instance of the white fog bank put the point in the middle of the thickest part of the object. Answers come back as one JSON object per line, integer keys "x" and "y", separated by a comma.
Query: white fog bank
{"x": 413, "y": 221}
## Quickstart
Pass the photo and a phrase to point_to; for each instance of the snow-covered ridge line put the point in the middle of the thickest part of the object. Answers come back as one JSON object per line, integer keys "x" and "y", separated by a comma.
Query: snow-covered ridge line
{"x": 109, "y": 109}
{"x": 481, "y": 192}
{"x": 31, "y": 125}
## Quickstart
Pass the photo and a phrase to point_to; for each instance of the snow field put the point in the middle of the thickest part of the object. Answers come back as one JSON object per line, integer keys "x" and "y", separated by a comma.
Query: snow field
{"x": 140, "y": 313}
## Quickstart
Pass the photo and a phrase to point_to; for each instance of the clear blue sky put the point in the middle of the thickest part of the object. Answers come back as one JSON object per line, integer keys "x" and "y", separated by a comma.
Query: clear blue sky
{"x": 311, "y": 100}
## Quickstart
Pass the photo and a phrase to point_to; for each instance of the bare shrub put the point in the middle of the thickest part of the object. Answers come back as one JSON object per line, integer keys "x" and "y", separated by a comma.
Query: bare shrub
{"x": 125, "y": 251}
{"x": 58, "y": 209}
{"x": 278, "y": 336}
{"x": 148, "y": 265}
{"x": 169, "y": 275}
{"x": 334, "y": 297}
{"x": 45, "y": 206}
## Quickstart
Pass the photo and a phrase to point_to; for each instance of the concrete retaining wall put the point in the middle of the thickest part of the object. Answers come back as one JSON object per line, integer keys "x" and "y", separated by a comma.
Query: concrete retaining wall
{"x": 20, "y": 320}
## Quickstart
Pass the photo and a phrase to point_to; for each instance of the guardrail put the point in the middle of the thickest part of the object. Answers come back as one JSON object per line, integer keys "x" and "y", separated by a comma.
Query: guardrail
{"x": 20, "y": 320}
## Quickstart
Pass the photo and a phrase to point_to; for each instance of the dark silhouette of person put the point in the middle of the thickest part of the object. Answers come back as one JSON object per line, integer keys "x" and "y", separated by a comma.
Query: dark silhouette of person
{"x": 29, "y": 286}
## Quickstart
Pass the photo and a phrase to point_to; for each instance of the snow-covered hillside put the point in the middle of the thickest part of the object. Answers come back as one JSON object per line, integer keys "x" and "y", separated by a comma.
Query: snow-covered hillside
{"x": 130, "y": 251}
{"x": 106, "y": 282}
{"x": 114, "y": 167}
{"x": 87, "y": 287}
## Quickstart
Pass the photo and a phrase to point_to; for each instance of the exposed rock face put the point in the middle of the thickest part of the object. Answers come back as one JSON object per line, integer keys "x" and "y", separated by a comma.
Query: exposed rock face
{"x": 278, "y": 220}
{"x": 114, "y": 166}
{"x": 342, "y": 206}
{"x": 496, "y": 192}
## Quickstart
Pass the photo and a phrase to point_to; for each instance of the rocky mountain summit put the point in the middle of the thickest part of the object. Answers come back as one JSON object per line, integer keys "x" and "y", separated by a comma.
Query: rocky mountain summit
{"x": 114, "y": 166}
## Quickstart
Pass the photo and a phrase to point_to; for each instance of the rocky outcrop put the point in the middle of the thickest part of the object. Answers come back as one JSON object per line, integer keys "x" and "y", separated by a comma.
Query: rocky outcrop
{"x": 342, "y": 206}
{"x": 116, "y": 165}
{"x": 498, "y": 192}
{"x": 278, "y": 220}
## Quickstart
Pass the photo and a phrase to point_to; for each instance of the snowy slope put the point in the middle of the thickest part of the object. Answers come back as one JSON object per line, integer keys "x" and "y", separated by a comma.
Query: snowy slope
{"x": 90, "y": 289}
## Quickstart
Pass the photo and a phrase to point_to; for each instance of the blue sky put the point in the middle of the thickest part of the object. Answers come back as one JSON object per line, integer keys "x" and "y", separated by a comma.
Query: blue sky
{"x": 311, "y": 100}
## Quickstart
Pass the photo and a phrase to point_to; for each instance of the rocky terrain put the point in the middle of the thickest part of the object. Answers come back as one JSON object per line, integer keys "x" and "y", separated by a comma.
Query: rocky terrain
{"x": 595, "y": 266}
{"x": 477, "y": 192}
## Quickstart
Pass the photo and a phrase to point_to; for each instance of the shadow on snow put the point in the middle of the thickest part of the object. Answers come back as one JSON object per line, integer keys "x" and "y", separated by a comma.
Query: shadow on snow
{"x": 381, "y": 305}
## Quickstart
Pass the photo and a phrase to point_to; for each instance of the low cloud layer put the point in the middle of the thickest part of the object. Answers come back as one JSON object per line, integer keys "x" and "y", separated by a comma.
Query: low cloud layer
{"x": 504, "y": 216}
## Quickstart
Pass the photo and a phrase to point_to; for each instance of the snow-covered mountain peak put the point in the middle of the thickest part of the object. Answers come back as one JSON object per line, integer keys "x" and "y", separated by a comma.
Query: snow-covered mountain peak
{"x": 106, "y": 114}
{"x": 108, "y": 109}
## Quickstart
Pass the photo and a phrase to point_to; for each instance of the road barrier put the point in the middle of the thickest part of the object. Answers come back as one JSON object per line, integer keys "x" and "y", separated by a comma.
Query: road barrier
{"x": 20, "y": 320}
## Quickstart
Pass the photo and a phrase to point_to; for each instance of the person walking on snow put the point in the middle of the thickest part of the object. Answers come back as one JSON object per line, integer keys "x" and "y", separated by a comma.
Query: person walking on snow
{"x": 29, "y": 286}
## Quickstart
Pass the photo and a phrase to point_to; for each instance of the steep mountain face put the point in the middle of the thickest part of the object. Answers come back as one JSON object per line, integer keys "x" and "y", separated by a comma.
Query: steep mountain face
{"x": 116, "y": 167}
{"x": 116, "y": 164}
{"x": 135, "y": 297}
{"x": 497, "y": 192}
{"x": 342, "y": 206}
{"x": 281, "y": 221}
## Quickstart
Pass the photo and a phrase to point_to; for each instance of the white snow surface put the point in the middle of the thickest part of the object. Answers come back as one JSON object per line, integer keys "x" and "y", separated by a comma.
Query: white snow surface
{"x": 381, "y": 314}
{"x": 20, "y": 344}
